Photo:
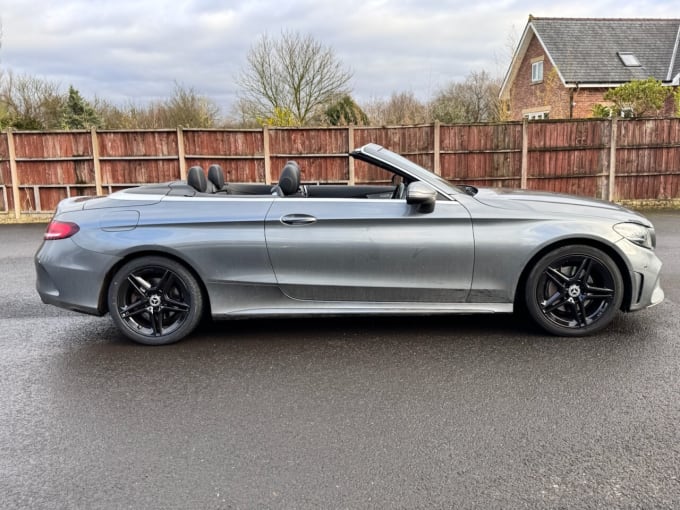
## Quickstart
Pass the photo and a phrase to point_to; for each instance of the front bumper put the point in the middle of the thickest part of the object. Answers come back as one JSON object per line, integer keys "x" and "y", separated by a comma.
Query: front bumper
{"x": 645, "y": 269}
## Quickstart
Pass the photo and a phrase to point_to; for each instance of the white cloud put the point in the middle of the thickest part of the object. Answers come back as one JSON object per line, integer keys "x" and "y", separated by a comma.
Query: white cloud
{"x": 136, "y": 50}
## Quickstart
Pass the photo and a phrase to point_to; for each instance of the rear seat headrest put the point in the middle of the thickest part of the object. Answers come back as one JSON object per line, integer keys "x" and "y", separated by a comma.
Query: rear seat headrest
{"x": 196, "y": 179}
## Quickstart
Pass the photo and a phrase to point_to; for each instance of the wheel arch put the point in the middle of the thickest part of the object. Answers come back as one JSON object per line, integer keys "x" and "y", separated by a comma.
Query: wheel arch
{"x": 102, "y": 304}
{"x": 606, "y": 248}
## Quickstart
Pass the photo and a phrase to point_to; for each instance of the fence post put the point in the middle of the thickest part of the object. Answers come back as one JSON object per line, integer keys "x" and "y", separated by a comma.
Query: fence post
{"x": 267, "y": 159}
{"x": 611, "y": 187}
{"x": 14, "y": 173}
{"x": 350, "y": 148}
{"x": 96, "y": 162}
{"x": 181, "y": 154}
{"x": 437, "y": 148}
{"x": 524, "y": 177}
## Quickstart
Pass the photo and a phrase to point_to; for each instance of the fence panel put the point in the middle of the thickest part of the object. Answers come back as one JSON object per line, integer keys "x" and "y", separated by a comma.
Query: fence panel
{"x": 569, "y": 156}
{"x": 239, "y": 153}
{"x": 648, "y": 159}
{"x": 53, "y": 166}
{"x": 131, "y": 157}
{"x": 321, "y": 153}
{"x": 563, "y": 156}
{"x": 482, "y": 154}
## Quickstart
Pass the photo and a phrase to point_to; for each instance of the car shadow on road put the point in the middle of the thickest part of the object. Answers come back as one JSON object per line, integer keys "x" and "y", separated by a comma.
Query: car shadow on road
{"x": 304, "y": 354}
{"x": 387, "y": 341}
{"x": 506, "y": 328}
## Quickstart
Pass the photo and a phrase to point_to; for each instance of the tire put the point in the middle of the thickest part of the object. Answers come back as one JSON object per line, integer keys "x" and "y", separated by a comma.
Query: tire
{"x": 574, "y": 291}
{"x": 155, "y": 301}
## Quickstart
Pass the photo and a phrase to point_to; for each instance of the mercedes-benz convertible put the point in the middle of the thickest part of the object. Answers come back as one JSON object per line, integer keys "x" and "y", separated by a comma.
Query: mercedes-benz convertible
{"x": 160, "y": 257}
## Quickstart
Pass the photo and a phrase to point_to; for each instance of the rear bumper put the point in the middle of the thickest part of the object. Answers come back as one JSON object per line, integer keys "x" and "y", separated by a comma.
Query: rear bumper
{"x": 70, "y": 277}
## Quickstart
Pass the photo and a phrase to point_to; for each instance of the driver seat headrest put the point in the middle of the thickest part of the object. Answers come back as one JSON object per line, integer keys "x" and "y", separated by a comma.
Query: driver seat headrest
{"x": 216, "y": 176}
{"x": 289, "y": 181}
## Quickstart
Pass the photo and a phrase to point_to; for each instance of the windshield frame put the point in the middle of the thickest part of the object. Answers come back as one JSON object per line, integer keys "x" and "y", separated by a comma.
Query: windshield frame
{"x": 393, "y": 162}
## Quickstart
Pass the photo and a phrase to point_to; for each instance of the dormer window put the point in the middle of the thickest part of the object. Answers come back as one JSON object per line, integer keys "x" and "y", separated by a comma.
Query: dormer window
{"x": 628, "y": 59}
{"x": 537, "y": 71}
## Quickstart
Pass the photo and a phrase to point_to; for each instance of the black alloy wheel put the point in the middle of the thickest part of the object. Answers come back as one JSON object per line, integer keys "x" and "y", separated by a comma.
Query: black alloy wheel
{"x": 155, "y": 301}
{"x": 574, "y": 291}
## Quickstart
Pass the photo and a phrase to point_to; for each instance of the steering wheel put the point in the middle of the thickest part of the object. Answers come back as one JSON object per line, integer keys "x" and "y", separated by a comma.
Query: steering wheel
{"x": 399, "y": 191}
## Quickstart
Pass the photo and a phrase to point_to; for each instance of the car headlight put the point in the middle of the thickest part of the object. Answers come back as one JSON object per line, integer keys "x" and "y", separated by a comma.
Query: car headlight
{"x": 636, "y": 233}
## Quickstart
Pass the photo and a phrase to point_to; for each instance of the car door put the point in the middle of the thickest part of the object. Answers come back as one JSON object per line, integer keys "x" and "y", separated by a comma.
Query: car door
{"x": 370, "y": 250}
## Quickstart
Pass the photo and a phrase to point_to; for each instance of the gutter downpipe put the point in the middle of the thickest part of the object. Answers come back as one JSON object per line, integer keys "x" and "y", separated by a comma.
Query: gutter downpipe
{"x": 571, "y": 100}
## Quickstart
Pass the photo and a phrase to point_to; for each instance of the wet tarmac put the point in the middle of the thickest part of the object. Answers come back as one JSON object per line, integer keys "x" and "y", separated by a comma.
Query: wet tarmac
{"x": 456, "y": 412}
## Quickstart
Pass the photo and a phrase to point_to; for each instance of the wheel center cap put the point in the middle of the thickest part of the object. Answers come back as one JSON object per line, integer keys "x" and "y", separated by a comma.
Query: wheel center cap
{"x": 574, "y": 291}
{"x": 155, "y": 300}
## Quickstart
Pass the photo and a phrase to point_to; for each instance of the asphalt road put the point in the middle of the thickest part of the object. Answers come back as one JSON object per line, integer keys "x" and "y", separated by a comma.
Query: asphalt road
{"x": 454, "y": 412}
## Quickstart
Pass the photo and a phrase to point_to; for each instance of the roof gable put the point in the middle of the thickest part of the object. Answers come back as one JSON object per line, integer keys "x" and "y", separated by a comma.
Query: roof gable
{"x": 586, "y": 50}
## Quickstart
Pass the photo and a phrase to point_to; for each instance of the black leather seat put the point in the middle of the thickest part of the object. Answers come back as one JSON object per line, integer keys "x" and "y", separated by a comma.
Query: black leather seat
{"x": 216, "y": 177}
{"x": 289, "y": 180}
{"x": 196, "y": 179}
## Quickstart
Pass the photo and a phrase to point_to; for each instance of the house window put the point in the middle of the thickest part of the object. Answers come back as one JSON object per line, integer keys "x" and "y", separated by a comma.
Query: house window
{"x": 537, "y": 71}
{"x": 628, "y": 59}
{"x": 627, "y": 112}
{"x": 536, "y": 115}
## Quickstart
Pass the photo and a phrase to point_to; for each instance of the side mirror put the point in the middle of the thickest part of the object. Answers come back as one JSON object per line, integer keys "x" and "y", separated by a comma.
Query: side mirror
{"x": 422, "y": 196}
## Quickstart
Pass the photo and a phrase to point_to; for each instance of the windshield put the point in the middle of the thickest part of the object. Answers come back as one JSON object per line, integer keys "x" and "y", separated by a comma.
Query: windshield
{"x": 400, "y": 162}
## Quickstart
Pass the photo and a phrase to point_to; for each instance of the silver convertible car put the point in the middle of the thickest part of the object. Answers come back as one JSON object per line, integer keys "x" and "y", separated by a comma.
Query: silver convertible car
{"x": 159, "y": 257}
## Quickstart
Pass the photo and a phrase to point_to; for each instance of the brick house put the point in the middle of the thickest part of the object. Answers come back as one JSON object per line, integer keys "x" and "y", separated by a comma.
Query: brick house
{"x": 563, "y": 66}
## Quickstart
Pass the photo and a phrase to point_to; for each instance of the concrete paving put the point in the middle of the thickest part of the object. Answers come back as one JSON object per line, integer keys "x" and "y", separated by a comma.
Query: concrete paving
{"x": 455, "y": 412}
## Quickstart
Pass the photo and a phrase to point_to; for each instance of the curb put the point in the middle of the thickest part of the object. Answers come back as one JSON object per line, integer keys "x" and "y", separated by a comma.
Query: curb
{"x": 9, "y": 219}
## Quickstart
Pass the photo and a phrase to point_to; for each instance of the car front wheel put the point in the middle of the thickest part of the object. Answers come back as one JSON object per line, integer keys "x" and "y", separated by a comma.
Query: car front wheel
{"x": 155, "y": 301}
{"x": 574, "y": 291}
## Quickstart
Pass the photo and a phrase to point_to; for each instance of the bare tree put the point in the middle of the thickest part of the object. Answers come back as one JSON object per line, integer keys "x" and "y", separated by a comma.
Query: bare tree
{"x": 295, "y": 74}
{"x": 504, "y": 59}
{"x": 28, "y": 102}
{"x": 188, "y": 108}
{"x": 474, "y": 100}
{"x": 402, "y": 108}
{"x": 113, "y": 116}
{"x": 185, "y": 107}
{"x": 244, "y": 115}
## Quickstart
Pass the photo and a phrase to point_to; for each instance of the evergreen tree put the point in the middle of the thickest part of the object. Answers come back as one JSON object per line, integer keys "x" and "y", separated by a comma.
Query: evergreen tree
{"x": 78, "y": 113}
{"x": 345, "y": 112}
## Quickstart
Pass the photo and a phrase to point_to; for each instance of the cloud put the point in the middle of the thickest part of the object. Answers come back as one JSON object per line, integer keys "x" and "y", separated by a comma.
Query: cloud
{"x": 135, "y": 50}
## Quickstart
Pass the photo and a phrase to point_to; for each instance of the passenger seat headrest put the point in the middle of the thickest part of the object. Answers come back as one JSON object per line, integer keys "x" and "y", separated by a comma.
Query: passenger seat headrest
{"x": 289, "y": 181}
{"x": 196, "y": 179}
{"x": 216, "y": 176}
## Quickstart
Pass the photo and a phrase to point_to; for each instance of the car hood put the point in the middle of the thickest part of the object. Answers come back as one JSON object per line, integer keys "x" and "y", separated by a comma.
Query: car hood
{"x": 545, "y": 201}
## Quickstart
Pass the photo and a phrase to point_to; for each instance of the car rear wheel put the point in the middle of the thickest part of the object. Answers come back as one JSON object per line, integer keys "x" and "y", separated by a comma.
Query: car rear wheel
{"x": 574, "y": 291}
{"x": 155, "y": 300}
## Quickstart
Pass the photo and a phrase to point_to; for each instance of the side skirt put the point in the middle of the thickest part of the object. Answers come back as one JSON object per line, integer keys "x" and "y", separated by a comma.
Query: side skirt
{"x": 357, "y": 309}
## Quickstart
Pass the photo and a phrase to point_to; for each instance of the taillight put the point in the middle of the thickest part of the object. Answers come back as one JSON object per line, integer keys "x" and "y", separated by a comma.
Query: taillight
{"x": 60, "y": 230}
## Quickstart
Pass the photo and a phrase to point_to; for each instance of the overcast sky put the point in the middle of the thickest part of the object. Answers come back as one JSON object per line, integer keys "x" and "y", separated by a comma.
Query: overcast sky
{"x": 135, "y": 49}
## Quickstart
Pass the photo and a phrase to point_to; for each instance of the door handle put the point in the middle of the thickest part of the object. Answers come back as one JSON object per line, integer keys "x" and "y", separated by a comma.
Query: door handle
{"x": 298, "y": 219}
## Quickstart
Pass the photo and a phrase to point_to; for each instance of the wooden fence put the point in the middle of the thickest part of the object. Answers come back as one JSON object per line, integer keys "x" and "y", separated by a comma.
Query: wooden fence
{"x": 624, "y": 159}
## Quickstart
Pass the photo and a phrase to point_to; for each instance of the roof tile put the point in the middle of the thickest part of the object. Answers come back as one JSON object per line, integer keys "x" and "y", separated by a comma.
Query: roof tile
{"x": 585, "y": 50}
